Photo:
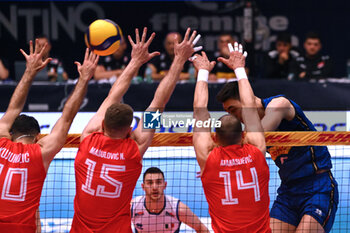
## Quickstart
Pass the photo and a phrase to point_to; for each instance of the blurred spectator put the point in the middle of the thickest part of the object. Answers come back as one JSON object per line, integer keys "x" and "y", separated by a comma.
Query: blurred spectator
{"x": 221, "y": 72}
{"x": 161, "y": 64}
{"x": 280, "y": 60}
{"x": 4, "y": 69}
{"x": 55, "y": 69}
{"x": 110, "y": 67}
{"x": 312, "y": 65}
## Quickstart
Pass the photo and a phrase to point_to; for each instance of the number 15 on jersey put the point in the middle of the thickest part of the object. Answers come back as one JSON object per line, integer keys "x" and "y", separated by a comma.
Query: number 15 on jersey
{"x": 101, "y": 189}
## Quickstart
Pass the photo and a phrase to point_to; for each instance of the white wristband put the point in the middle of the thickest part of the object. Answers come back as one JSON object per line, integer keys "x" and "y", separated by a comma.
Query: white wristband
{"x": 203, "y": 75}
{"x": 240, "y": 73}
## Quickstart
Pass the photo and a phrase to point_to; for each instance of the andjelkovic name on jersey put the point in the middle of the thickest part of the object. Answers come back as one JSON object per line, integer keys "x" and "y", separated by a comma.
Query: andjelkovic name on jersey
{"x": 12, "y": 157}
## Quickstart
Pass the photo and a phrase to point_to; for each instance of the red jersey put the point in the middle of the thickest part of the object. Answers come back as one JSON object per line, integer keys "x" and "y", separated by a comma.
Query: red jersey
{"x": 236, "y": 184}
{"x": 106, "y": 172}
{"x": 22, "y": 175}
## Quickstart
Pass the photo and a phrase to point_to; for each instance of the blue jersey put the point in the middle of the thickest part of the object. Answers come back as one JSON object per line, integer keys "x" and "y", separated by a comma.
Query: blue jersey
{"x": 297, "y": 161}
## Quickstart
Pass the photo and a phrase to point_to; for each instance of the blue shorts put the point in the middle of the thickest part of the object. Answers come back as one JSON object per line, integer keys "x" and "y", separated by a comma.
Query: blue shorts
{"x": 316, "y": 196}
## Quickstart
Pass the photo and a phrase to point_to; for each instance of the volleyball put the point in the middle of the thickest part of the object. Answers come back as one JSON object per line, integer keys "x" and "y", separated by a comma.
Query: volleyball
{"x": 103, "y": 37}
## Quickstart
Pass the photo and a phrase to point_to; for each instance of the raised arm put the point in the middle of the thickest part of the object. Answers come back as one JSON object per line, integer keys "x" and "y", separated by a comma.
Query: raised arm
{"x": 139, "y": 56}
{"x": 53, "y": 143}
{"x": 34, "y": 63}
{"x": 202, "y": 140}
{"x": 183, "y": 51}
{"x": 190, "y": 219}
{"x": 254, "y": 131}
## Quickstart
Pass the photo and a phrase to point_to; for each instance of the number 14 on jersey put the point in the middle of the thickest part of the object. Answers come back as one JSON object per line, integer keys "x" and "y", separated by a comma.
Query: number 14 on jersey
{"x": 254, "y": 184}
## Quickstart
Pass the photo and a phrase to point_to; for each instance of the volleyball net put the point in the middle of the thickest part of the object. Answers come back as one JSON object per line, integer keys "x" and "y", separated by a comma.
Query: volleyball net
{"x": 173, "y": 153}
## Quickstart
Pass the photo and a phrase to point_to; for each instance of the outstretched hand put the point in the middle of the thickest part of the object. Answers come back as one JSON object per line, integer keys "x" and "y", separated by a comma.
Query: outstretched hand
{"x": 87, "y": 70}
{"x": 202, "y": 62}
{"x": 185, "y": 49}
{"x": 34, "y": 61}
{"x": 237, "y": 57}
{"x": 140, "y": 47}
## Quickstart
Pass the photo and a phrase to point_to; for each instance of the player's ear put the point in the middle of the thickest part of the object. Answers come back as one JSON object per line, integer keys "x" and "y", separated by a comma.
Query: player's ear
{"x": 128, "y": 135}
{"x": 37, "y": 137}
{"x": 165, "y": 184}
{"x": 142, "y": 186}
{"x": 103, "y": 125}
{"x": 217, "y": 138}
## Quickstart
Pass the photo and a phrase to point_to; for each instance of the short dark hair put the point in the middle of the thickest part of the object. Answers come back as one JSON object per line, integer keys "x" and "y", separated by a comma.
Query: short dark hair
{"x": 225, "y": 33}
{"x": 24, "y": 124}
{"x": 284, "y": 37}
{"x": 152, "y": 170}
{"x": 118, "y": 116}
{"x": 228, "y": 91}
{"x": 232, "y": 34}
{"x": 230, "y": 132}
{"x": 313, "y": 35}
{"x": 40, "y": 36}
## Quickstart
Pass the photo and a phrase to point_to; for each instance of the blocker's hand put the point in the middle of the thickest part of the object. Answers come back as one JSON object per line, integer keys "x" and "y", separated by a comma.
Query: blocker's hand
{"x": 202, "y": 62}
{"x": 139, "y": 51}
{"x": 186, "y": 48}
{"x": 87, "y": 70}
{"x": 237, "y": 57}
{"x": 34, "y": 61}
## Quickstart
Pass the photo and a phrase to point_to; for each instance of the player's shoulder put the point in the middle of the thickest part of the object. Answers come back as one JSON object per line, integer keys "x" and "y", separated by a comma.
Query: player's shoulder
{"x": 171, "y": 199}
{"x": 279, "y": 102}
{"x": 253, "y": 153}
{"x": 174, "y": 204}
{"x": 6, "y": 143}
{"x": 132, "y": 145}
{"x": 249, "y": 146}
{"x": 91, "y": 136}
{"x": 137, "y": 199}
{"x": 4, "y": 140}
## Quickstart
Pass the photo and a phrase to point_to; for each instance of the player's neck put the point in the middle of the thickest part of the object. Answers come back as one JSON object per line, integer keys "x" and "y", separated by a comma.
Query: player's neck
{"x": 25, "y": 139}
{"x": 115, "y": 135}
{"x": 155, "y": 206}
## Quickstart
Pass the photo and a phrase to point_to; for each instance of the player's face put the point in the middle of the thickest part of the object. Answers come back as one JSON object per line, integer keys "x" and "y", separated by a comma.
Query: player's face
{"x": 233, "y": 107}
{"x": 283, "y": 47}
{"x": 312, "y": 46}
{"x": 154, "y": 186}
